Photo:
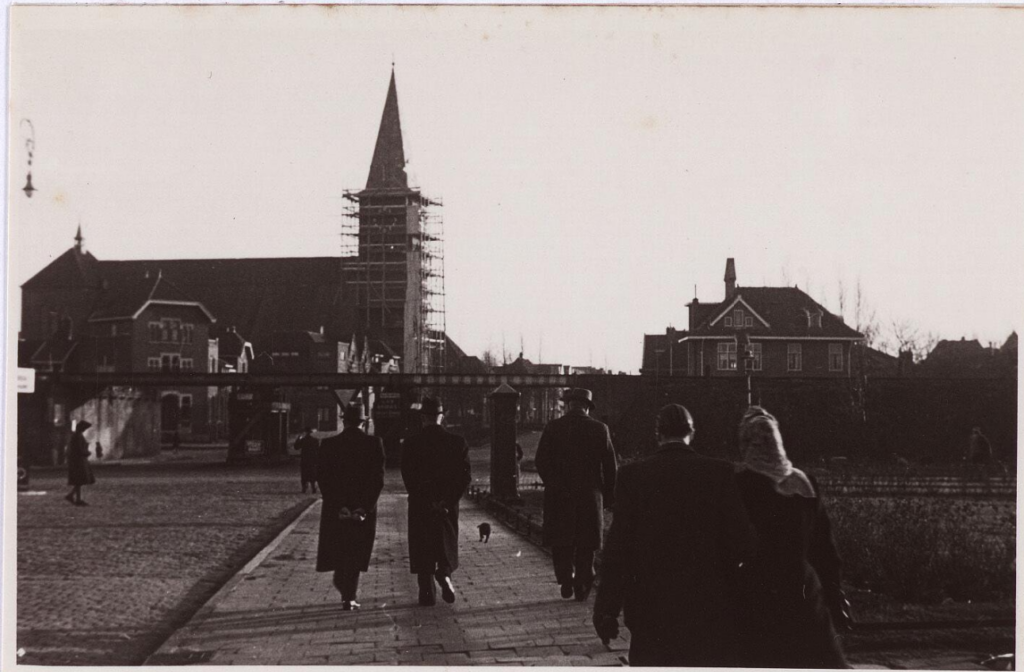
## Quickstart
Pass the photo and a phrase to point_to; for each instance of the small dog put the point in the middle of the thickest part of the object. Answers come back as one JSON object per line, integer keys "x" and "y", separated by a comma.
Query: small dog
{"x": 485, "y": 532}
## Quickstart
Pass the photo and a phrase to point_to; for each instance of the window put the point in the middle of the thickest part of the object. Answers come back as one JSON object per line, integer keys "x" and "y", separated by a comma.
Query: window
{"x": 186, "y": 364}
{"x": 814, "y": 319}
{"x": 794, "y": 357}
{"x": 186, "y": 332}
{"x": 748, "y": 322}
{"x": 727, "y": 356}
{"x": 170, "y": 362}
{"x": 323, "y": 418}
{"x": 155, "y": 334}
{"x": 755, "y": 350}
{"x": 728, "y": 321}
{"x": 737, "y": 318}
{"x": 153, "y": 363}
{"x": 185, "y": 412}
{"x": 835, "y": 357}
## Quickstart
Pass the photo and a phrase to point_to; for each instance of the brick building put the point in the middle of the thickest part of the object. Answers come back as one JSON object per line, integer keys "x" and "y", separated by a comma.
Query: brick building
{"x": 374, "y": 307}
{"x": 780, "y": 331}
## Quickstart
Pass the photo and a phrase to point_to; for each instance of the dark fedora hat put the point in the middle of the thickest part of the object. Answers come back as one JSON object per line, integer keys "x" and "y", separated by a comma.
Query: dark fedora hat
{"x": 431, "y": 406}
{"x": 353, "y": 413}
{"x": 82, "y": 425}
{"x": 579, "y": 394}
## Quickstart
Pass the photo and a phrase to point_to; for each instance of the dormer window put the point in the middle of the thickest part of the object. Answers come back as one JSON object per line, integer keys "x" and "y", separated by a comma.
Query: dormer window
{"x": 814, "y": 319}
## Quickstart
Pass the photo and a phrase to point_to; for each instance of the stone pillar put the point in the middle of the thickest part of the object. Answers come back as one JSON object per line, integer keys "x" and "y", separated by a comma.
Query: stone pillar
{"x": 504, "y": 470}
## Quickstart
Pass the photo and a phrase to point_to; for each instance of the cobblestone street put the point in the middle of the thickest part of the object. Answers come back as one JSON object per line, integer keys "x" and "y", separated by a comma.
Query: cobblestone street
{"x": 279, "y": 611}
{"x": 105, "y": 584}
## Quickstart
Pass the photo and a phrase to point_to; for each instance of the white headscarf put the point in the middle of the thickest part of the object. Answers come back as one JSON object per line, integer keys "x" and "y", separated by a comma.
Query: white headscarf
{"x": 767, "y": 456}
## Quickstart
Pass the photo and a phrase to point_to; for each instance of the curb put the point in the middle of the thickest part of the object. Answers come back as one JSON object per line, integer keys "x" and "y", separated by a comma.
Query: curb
{"x": 206, "y": 610}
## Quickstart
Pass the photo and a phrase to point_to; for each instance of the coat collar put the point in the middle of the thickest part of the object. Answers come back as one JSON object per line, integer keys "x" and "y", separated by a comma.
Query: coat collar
{"x": 577, "y": 411}
{"x": 676, "y": 446}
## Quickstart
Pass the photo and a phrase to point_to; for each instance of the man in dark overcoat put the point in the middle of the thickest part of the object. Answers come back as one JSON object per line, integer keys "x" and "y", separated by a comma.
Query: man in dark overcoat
{"x": 435, "y": 468}
{"x": 678, "y": 535}
{"x": 307, "y": 446}
{"x": 350, "y": 469}
{"x": 576, "y": 461}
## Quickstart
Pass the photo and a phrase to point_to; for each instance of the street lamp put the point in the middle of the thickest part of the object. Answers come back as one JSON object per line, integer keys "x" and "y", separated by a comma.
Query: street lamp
{"x": 30, "y": 144}
{"x": 748, "y": 362}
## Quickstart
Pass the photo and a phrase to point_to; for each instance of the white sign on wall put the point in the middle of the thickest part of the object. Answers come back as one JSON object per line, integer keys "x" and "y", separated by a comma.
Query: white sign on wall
{"x": 26, "y": 381}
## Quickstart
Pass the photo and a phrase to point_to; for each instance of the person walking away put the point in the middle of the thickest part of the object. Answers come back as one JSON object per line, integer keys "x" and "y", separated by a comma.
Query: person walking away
{"x": 436, "y": 472}
{"x": 307, "y": 446}
{"x": 678, "y": 536}
{"x": 79, "y": 469}
{"x": 792, "y": 599}
{"x": 350, "y": 468}
{"x": 576, "y": 461}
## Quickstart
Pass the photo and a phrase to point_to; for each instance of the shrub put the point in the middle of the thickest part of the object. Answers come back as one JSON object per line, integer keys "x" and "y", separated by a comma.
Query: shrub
{"x": 926, "y": 549}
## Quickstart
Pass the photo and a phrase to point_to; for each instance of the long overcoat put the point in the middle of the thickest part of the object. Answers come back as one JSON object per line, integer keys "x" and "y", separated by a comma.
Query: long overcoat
{"x": 678, "y": 535}
{"x": 307, "y": 447}
{"x": 789, "y": 584}
{"x": 576, "y": 461}
{"x": 435, "y": 469}
{"x": 79, "y": 469}
{"x": 350, "y": 472}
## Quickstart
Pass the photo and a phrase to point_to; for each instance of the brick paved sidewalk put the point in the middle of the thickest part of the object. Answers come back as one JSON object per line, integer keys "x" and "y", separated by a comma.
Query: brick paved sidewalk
{"x": 279, "y": 611}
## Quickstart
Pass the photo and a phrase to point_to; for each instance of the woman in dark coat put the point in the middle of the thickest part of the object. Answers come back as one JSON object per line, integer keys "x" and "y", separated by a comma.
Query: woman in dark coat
{"x": 79, "y": 470}
{"x": 790, "y": 592}
{"x": 350, "y": 470}
{"x": 436, "y": 472}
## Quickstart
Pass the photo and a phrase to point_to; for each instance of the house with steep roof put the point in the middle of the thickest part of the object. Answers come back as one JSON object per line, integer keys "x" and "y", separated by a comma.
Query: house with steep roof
{"x": 775, "y": 331}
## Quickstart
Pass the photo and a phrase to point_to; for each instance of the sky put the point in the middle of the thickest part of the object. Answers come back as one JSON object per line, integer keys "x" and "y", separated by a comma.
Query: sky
{"x": 597, "y": 164}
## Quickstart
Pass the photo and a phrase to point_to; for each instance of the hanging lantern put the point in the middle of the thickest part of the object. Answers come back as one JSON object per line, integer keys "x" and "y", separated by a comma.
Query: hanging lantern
{"x": 29, "y": 189}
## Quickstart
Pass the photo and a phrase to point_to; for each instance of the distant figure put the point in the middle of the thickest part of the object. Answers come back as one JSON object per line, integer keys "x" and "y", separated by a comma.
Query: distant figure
{"x": 99, "y": 450}
{"x": 678, "y": 537}
{"x": 576, "y": 461}
{"x": 350, "y": 467}
{"x": 790, "y": 595}
{"x": 485, "y": 532}
{"x": 175, "y": 442}
{"x": 436, "y": 472}
{"x": 79, "y": 470}
{"x": 980, "y": 450}
{"x": 307, "y": 446}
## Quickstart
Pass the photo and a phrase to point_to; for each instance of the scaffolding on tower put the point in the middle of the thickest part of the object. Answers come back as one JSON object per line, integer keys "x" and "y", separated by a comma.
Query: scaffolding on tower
{"x": 433, "y": 339}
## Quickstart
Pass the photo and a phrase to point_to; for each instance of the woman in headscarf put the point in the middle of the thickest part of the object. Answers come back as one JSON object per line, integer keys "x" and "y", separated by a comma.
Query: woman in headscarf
{"x": 790, "y": 593}
{"x": 79, "y": 471}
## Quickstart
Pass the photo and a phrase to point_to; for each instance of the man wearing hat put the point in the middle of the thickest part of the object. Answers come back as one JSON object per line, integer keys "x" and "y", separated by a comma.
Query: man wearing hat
{"x": 307, "y": 446}
{"x": 350, "y": 469}
{"x": 679, "y": 533}
{"x": 435, "y": 468}
{"x": 79, "y": 470}
{"x": 576, "y": 461}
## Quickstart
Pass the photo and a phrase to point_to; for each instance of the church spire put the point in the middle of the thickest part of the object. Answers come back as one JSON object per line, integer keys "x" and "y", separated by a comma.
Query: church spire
{"x": 387, "y": 170}
{"x": 79, "y": 239}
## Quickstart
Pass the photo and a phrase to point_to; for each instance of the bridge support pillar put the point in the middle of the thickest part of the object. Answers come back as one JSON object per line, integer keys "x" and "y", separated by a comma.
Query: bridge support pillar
{"x": 504, "y": 466}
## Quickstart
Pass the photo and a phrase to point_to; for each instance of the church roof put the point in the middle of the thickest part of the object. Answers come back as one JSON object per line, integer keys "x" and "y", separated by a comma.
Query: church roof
{"x": 129, "y": 295}
{"x": 75, "y": 268}
{"x": 256, "y": 296}
{"x": 387, "y": 169}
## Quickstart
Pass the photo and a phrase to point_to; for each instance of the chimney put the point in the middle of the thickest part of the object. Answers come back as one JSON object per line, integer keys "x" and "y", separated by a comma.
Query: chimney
{"x": 730, "y": 276}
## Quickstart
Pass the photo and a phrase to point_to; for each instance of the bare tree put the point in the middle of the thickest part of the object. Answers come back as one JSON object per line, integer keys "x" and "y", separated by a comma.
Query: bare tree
{"x": 908, "y": 338}
{"x": 865, "y": 318}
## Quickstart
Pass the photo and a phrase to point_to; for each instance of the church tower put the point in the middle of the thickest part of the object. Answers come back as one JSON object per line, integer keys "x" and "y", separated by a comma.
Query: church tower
{"x": 394, "y": 241}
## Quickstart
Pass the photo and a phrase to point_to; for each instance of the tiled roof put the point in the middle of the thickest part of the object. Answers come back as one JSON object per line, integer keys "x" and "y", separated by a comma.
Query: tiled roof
{"x": 783, "y": 308}
{"x": 125, "y": 295}
{"x": 256, "y": 296}
{"x": 74, "y": 268}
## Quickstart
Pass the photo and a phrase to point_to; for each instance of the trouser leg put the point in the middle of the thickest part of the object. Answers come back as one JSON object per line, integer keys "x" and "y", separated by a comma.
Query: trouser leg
{"x": 583, "y": 559}
{"x": 562, "y": 556}
{"x": 347, "y": 583}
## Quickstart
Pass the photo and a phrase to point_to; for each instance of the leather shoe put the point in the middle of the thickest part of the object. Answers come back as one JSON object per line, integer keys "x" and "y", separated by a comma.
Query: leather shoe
{"x": 349, "y": 605}
{"x": 447, "y": 589}
{"x": 567, "y": 590}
